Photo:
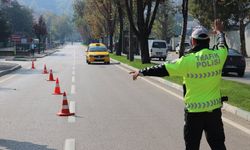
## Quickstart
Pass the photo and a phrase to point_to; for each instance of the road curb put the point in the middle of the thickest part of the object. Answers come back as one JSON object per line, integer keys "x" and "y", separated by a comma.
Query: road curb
{"x": 33, "y": 58}
{"x": 47, "y": 54}
{"x": 20, "y": 59}
{"x": 2, "y": 73}
{"x": 227, "y": 107}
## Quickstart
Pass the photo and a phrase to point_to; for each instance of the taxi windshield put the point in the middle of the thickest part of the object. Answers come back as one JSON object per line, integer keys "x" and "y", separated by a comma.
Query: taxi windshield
{"x": 98, "y": 49}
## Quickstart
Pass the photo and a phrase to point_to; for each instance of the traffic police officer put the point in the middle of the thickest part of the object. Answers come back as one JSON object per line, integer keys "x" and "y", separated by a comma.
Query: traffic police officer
{"x": 201, "y": 70}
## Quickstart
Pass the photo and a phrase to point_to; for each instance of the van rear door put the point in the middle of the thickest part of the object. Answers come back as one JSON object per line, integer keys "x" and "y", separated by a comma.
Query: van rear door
{"x": 159, "y": 49}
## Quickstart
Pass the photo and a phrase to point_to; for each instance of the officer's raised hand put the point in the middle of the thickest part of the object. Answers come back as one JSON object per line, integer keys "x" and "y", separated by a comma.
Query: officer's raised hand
{"x": 218, "y": 26}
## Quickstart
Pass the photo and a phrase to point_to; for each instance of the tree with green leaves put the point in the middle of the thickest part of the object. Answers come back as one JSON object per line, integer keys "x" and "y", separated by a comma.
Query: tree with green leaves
{"x": 164, "y": 23}
{"x": 59, "y": 27}
{"x": 80, "y": 20}
{"x": 91, "y": 25}
{"x": 5, "y": 29}
{"x": 144, "y": 12}
{"x": 107, "y": 9}
{"x": 184, "y": 26}
{"x": 206, "y": 12}
{"x": 95, "y": 21}
{"x": 20, "y": 18}
{"x": 120, "y": 5}
{"x": 40, "y": 30}
{"x": 233, "y": 13}
{"x": 241, "y": 15}
{"x": 100, "y": 24}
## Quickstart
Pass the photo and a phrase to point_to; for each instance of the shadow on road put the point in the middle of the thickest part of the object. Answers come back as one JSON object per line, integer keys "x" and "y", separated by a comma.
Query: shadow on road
{"x": 25, "y": 71}
{"x": 7, "y": 89}
{"x": 18, "y": 145}
{"x": 58, "y": 54}
{"x": 112, "y": 63}
{"x": 231, "y": 75}
{"x": 235, "y": 75}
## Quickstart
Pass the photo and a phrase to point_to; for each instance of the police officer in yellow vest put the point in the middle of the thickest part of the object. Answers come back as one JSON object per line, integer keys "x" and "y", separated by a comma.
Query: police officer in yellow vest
{"x": 201, "y": 70}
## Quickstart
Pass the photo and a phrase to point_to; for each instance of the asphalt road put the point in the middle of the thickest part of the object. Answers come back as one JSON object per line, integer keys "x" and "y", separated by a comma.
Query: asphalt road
{"x": 112, "y": 111}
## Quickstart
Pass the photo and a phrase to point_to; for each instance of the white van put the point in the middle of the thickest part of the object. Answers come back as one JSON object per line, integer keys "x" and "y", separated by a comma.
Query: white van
{"x": 158, "y": 49}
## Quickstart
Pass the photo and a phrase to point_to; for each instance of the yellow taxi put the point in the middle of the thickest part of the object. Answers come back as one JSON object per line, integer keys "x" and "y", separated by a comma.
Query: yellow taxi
{"x": 97, "y": 52}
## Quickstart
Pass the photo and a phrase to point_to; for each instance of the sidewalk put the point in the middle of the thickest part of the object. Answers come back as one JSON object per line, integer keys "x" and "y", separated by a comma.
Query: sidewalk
{"x": 8, "y": 67}
{"x": 247, "y": 63}
{"x": 30, "y": 58}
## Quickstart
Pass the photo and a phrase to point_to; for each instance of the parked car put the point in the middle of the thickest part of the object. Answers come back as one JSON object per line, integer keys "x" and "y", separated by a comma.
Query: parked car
{"x": 158, "y": 49}
{"x": 235, "y": 62}
{"x": 97, "y": 52}
{"x": 187, "y": 47}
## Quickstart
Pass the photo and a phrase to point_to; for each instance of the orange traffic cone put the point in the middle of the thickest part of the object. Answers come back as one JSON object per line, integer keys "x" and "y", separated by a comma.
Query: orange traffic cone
{"x": 57, "y": 90}
{"x": 51, "y": 78}
{"x": 65, "y": 107}
{"x": 45, "y": 69}
{"x": 33, "y": 65}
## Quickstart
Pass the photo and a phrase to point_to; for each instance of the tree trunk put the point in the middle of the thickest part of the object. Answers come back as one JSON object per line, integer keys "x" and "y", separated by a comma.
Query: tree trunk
{"x": 242, "y": 38}
{"x": 120, "y": 11}
{"x": 119, "y": 50}
{"x": 165, "y": 23}
{"x": 131, "y": 36}
{"x": 39, "y": 47}
{"x": 144, "y": 49}
{"x": 184, "y": 27}
{"x": 145, "y": 20}
{"x": 111, "y": 42}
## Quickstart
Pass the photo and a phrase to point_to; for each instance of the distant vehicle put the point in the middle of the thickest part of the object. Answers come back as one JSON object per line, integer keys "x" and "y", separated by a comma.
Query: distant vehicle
{"x": 187, "y": 47}
{"x": 169, "y": 48}
{"x": 158, "y": 49}
{"x": 97, "y": 52}
{"x": 235, "y": 62}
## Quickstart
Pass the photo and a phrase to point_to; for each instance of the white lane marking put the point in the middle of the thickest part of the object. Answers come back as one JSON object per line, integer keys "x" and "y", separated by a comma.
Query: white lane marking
{"x": 6, "y": 79}
{"x": 158, "y": 86}
{"x": 70, "y": 144}
{"x": 72, "y": 109}
{"x": 73, "y": 79}
{"x": 73, "y": 89}
{"x": 74, "y": 57}
{"x": 162, "y": 88}
{"x": 73, "y": 68}
{"x": 234, "y": 124}
{"x": 73, "y": 72}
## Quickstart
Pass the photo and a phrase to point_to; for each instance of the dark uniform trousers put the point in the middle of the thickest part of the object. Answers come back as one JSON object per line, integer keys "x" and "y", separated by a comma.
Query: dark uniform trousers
{"x": 210, "y": 123}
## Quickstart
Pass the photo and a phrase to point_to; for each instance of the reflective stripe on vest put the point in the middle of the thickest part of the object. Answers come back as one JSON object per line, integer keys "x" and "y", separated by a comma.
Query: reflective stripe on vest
{"x": 203, "y": 105}
{"x": 204, "y": 75}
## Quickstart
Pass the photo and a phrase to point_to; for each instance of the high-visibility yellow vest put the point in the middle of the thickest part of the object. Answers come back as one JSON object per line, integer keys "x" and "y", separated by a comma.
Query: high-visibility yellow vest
{"x": 201, "y": 72}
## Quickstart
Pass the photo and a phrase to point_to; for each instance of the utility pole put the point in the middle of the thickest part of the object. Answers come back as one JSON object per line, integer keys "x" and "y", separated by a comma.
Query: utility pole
{"x": 215, "y": 16}
{"x": 215, "y": 9}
